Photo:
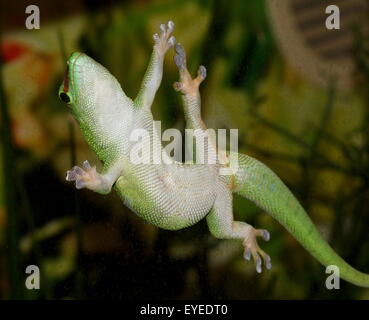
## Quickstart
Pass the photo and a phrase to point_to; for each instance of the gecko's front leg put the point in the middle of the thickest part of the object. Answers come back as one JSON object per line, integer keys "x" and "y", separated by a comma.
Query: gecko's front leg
{"x": 88, "y": 177}
{"x": 154, "y": 72}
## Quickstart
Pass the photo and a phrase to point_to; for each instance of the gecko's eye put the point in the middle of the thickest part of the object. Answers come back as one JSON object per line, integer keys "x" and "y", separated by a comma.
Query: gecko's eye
{"x": 65, "y": 97}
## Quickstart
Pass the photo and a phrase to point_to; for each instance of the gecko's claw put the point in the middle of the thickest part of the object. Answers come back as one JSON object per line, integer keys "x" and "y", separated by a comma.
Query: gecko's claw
{"x": 252, "y": 249}
{"x": 85, "y": 177}
{"x": 164, "y": 41}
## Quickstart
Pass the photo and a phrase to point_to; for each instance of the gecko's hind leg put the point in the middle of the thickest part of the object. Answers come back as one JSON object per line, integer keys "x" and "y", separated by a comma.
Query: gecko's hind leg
{"x": 88, "y": 177}
{"x": 222, "y": 225}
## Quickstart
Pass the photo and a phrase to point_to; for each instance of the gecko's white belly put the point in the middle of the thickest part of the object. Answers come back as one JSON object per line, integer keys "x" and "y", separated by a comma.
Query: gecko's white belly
{"x": 170, "y": 197}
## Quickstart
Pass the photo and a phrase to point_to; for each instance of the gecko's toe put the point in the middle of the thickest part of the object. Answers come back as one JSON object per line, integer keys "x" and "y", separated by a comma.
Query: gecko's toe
{"x": 167, "y": 29}
{"x": 180, "y": 57}
{"x": 86, "y": 165}
{"x": 156, "y": 37}
{"x": 170, "y": 26}
{"x": 258, "y": 263}
{"x": 253, "y": 250}
{"x": 71, "y": 176}
{"x": 178, "y": 86}
{"x": 202, "y": 72}
{"x": 258, "y": 256}
{"x": 268, "y": 262}
{"x": 78, "y": 171}
{"x": 247, "y": 254}
{"x": 80, "y": 184}
{"x": 180, "y": 50}
{"x": 265, "y": 235}
{"x": 172, "y": 41}
{"x": 162, "y": 28}
{"x": 179, "y": 61}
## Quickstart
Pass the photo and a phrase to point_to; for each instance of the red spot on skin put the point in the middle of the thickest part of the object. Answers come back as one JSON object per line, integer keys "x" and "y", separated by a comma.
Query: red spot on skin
{"x": 12, "y": 50}
{"x": 66, "y": 80}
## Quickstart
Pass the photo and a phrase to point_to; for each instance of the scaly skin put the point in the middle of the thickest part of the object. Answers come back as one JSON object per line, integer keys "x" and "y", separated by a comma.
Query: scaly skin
{"x": 256, "y": 182}
{"x": 175, "y": 195}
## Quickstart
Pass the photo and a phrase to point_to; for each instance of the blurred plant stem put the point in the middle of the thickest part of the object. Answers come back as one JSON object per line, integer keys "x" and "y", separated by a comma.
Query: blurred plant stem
{"x": 76, "y": 202}
{"x": 77, "y": 209}
{"x": 9, "y": 167}
{"x": 33, "y": 238}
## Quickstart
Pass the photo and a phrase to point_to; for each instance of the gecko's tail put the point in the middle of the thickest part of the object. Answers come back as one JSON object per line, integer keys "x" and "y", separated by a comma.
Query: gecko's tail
{"x": 259, "y": 184}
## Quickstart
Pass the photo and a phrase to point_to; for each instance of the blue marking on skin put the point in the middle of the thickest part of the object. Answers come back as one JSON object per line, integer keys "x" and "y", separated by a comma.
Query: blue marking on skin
{"x": 272, "y": 187}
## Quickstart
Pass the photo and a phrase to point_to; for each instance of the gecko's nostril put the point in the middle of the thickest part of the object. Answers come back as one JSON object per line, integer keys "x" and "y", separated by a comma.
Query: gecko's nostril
{"x": 64, "y": 97}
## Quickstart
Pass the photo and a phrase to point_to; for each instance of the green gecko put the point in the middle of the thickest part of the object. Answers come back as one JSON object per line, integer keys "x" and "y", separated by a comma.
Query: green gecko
{"x": 177, "y": 195}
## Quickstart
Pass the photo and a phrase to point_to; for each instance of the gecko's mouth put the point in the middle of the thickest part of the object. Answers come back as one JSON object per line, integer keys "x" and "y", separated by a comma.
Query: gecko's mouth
{"x": 70, "y": 67}
{"x": 66, "y": 79}
{"x": 64, "y": 89}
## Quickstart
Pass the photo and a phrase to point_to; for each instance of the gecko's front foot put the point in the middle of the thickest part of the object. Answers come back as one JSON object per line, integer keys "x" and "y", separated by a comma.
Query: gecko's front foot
{"x": 187, "y": 85}
{"x": 87, "y": 177}
{"x": 252, "y": 249}
{"x": 165, "y": 41}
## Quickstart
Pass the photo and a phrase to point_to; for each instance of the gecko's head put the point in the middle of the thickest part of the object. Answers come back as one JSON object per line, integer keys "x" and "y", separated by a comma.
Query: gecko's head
{"x": 69, "y": 91}
{"x": 88, "y": 87}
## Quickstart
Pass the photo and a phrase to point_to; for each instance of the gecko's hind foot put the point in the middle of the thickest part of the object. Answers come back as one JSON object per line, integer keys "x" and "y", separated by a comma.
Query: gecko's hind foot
{"x": 253, "y": 250}
{"x": 187, "y": 85}
{"x": 164, "y": 41}
{"x": 85, "y": 177}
